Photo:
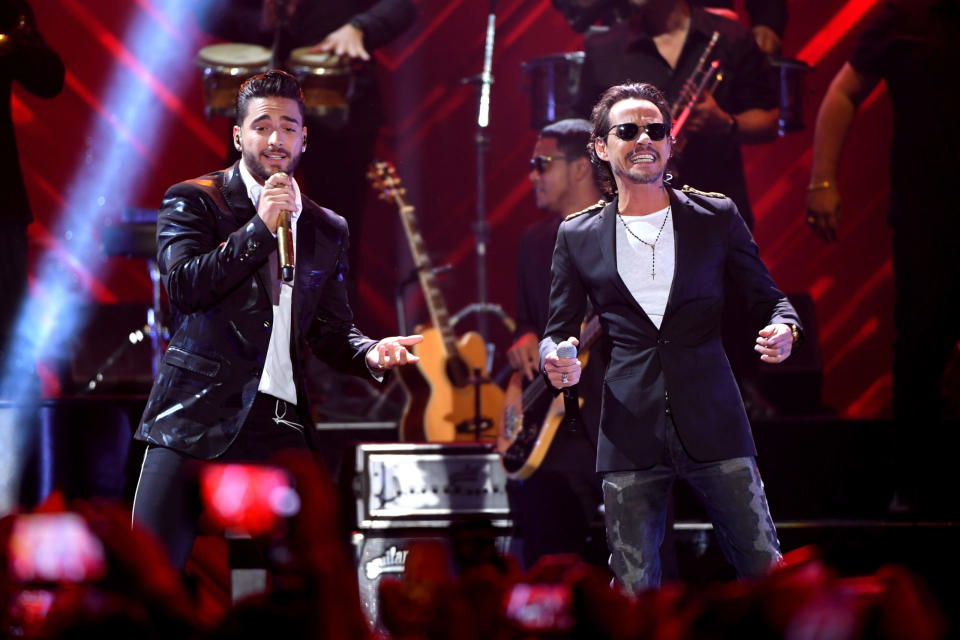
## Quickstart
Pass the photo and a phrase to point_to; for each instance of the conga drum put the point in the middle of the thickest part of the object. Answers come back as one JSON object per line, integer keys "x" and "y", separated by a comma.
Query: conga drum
{"x": 553, "y": 83}
{"x": 225, "y": 67}
{"x": 327, "y": 83}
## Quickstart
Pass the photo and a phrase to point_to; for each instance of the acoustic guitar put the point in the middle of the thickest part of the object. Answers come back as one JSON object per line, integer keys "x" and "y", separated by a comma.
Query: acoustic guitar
{"x": 532, "y": 415}
{"x": 442, "y": 405}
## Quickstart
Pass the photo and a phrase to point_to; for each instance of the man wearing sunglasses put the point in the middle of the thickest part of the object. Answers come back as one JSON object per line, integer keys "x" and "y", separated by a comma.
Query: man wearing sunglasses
{"x": 657, "y": 263}
{"x": 553, "y": 509}
{"x": 662, "y": 43}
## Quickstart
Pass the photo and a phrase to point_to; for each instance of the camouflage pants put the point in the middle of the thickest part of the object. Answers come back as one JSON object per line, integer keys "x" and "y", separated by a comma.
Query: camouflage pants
{"x": 635, "y": 504}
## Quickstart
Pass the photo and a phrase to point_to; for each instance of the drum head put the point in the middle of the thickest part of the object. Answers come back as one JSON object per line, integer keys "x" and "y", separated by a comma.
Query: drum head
{"x": 233, "y": 54}
{"x": 302, "y": 61}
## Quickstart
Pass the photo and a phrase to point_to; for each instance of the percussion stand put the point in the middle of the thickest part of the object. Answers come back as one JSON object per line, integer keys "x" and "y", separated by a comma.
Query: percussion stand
{"x": 481, "y": 228}
{"x": 280, "y": 25}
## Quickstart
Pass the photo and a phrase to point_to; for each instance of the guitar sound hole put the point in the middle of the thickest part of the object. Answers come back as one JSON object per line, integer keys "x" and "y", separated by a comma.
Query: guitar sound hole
{"x": 458, "y": 372}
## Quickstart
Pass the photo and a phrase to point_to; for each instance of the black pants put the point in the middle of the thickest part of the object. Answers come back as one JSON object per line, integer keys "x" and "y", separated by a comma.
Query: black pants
{"x": 554, "y": 509}
{"x": 167, "y": 501}
{"x": 926, "y": 270}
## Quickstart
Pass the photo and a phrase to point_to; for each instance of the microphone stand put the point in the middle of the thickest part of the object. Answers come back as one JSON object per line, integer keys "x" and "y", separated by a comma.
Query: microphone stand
{"x": 482, "y": 141}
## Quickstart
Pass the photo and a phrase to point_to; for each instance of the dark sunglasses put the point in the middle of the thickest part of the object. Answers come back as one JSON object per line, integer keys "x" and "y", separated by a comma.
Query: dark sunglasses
{"x": 628, "y": 131}
{"x": 540, "y": 163}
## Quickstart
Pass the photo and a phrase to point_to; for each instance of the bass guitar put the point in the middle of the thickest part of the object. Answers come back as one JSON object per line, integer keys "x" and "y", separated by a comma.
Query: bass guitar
{"x": 532, "y": 415}
{"x": 442, "y": 404}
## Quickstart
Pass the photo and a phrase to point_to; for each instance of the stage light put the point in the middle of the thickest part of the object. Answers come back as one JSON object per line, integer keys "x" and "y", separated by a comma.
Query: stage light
{"x": 150, "y": 67}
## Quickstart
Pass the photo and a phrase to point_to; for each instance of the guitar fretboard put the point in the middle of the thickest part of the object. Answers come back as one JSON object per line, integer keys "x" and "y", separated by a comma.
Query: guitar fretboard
{"x": 436, "y": 305}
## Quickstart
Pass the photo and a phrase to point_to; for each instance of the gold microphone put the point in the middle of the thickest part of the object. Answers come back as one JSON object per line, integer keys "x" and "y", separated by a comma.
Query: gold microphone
{"x": 285, "y": 242}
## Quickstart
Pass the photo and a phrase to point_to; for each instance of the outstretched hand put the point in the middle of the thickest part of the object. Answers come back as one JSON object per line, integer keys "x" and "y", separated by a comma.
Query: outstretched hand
{"x": 392, "y": 352}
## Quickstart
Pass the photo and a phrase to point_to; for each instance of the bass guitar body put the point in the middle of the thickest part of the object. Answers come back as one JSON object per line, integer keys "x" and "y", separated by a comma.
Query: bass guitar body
{"x": 526, "y": 435}
{"x": 440, "y": 410}
{"x": 531, "y": 417}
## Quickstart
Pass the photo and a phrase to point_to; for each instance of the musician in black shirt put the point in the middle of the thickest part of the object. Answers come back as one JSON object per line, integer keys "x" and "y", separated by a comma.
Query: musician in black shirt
{"x": 554, "y": 508}
{"x": 352, "y": 29}
{"x": 661, "y": 43}
{"x": 912, "y": 46}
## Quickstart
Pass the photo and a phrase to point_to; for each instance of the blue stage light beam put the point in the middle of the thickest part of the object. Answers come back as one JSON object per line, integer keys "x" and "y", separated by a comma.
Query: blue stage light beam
{"x": 137, "y": 100}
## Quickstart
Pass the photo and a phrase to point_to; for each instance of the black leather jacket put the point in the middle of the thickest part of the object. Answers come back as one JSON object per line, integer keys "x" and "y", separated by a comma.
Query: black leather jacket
{"x": 213, "y": 255}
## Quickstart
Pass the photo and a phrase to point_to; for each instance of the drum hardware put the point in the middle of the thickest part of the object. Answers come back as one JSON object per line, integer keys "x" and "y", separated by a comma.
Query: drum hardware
{"x": 553, "y": 83}
{"x": 793, "y": 77}
{"x": 136, "y": 237}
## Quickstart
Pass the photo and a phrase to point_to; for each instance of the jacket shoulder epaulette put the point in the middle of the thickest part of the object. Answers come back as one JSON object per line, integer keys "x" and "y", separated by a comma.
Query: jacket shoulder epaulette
{"x": 594, "y": 207}
{"x": 709, "y": 194}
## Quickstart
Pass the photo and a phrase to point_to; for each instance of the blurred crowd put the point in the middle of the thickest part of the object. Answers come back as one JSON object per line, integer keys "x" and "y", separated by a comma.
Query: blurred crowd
{"x": 461, "y": 590}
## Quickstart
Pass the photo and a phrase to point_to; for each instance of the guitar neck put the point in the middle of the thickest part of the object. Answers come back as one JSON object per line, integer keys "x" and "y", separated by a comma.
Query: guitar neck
{"x": 591, "y": 331}
{"x": 436, "y": 305}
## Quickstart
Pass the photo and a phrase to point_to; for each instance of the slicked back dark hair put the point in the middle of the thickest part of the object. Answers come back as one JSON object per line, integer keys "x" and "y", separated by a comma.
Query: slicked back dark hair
{"x": 274, "y": 83}
{"x": 600, "y": 121}
{"x": 572, "y": 136}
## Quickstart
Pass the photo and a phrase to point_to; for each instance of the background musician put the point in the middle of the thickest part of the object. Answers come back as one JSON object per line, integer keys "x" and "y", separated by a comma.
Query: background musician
{"x": 768, "y": 18}
{"x": 349, "y": 28}
{"x": 552, "y": 510}
{"x": 912, "y": 46}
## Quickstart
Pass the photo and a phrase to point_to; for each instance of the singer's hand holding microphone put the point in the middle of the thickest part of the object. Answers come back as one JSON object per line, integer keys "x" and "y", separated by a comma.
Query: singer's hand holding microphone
{"x": 276, "y": 198}
{"x": 277, "y": 202}
{"x": 561, "y": 366}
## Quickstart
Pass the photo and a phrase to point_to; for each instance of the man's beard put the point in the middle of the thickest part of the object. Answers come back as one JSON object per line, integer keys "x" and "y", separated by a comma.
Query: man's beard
{"x": 261, "y": 172}
{"x": 644, "y": 178}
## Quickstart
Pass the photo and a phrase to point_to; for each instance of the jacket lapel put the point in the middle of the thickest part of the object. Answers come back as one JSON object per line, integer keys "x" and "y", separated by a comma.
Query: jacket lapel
{"x": 235, "y": 193}
{"x": 679, "y": 205}
{"x": 242, "y": 211}
{"x": 304, "y": 257}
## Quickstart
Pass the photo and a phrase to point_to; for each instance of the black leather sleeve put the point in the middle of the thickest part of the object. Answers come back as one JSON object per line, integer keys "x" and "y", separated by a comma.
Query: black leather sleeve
{"x": 200, "y": 268}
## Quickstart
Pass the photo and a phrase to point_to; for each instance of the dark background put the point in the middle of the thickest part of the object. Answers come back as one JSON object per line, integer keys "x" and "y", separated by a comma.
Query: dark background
{"x": 429, "y": 135}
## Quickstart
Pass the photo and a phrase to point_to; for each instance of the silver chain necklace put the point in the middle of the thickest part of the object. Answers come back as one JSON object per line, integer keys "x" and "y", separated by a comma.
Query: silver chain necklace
{"x": 652, "y": 245}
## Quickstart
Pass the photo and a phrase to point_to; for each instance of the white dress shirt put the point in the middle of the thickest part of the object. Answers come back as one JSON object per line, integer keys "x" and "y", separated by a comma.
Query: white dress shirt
{"x": 277, "y": 376}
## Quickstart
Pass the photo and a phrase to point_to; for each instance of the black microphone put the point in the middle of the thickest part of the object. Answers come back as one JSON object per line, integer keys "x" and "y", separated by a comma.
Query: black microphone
{"x": 285, "y": 242}
{"x": 567, "y": 349}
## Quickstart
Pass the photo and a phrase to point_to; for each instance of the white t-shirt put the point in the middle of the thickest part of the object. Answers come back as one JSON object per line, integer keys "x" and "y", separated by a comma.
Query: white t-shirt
{"x": 647, "y": 271}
